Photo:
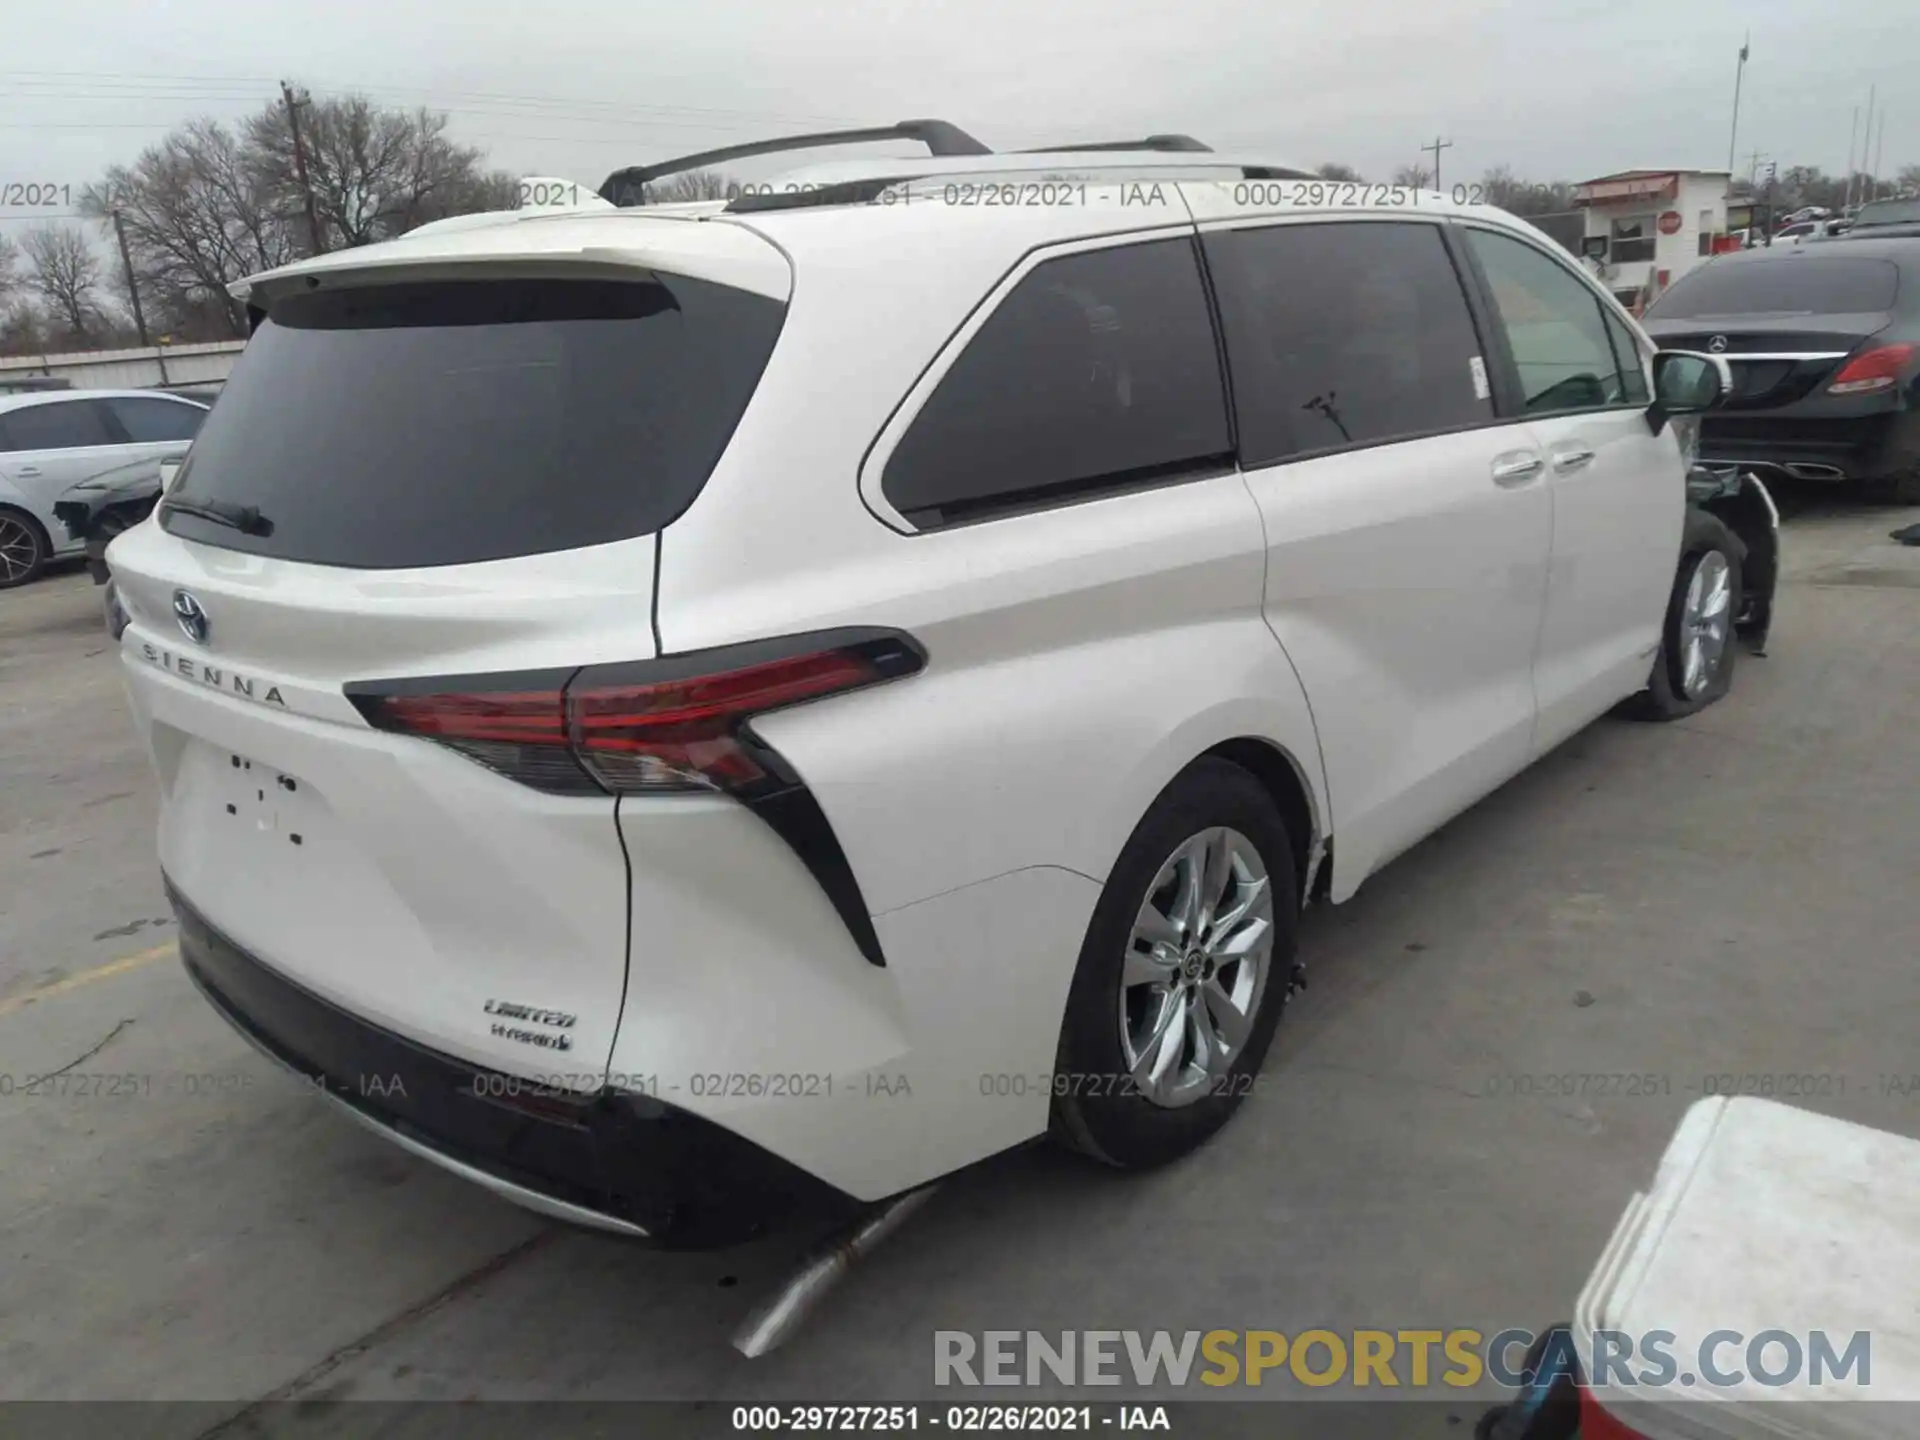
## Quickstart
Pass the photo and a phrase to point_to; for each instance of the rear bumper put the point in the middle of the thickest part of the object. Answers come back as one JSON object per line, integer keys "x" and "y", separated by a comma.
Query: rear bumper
{"x": 612, "y": 1160}
{"x": 1866, "y": 447}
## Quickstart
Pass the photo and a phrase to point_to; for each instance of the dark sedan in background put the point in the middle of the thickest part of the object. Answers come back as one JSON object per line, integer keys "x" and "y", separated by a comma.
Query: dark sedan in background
{"x": 1824, "y": 344}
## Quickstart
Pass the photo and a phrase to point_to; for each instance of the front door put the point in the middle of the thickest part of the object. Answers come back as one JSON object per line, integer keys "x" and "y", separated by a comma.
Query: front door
{"x": 1579, "y": 377}
{"x": 1407, "y": 533}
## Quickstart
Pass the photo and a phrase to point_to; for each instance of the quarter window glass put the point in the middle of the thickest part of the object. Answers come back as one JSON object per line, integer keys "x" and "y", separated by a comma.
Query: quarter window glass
{"x": 148, "y": 421}
{"x": 1097, "y": 368}
{"x": 1343, "y": 334}
{"x": 1554, "y": 327}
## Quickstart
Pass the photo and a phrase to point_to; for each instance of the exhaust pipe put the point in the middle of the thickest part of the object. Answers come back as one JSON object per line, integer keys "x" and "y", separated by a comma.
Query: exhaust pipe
{"x": 775, "y": 1319}
{"x": 1815, "y": 472}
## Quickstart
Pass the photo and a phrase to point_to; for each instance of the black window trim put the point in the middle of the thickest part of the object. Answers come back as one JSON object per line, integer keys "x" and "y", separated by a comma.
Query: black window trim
{"x": 1014, "y": 504}
{"x": 1514, "y": 410}
{"x": 1476, "y": 312}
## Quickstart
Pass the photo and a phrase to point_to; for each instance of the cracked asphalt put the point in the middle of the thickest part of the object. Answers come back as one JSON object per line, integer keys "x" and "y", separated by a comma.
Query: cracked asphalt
{"x": 1730, "y": 896}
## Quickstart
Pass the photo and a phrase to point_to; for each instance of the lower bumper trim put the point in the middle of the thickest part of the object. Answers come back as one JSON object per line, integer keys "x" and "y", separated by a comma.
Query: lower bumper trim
{"x": 613, "y": 1161}
{"x": 519, "y": 1194}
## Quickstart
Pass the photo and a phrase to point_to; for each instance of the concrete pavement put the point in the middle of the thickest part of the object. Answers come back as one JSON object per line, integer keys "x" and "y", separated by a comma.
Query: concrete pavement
{"x": 1730, "y": 896}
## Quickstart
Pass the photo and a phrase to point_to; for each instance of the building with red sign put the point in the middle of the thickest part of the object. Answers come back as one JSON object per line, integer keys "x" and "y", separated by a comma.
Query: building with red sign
{"x": 1647, "y": 228}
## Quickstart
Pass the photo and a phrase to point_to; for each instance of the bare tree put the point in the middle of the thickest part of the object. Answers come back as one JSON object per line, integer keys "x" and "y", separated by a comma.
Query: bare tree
{"x": 376, "y": 172}
{"x": 64, "y": 274}
{"x": 1499, "y": 186}
{"x": 200, "y": 213}
{"x": 1907, "y": 180}
{"x": 21, "y": 332}
{"x": 9, "y": 271}
{"x": 210, "y": 205}
{"x": 1417, "y": 176}
{"x": 690, "y": 185}
{"x": 1333, "y": 170}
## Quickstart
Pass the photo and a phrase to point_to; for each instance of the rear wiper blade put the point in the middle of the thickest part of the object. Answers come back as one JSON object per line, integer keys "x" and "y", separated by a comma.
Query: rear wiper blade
{"x": 247, "y": 519}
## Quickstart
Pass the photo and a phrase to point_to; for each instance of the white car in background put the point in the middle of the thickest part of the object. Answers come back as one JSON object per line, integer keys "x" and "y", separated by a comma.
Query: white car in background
{"x": 57, "y": 441}
{"x": 666, "y": 713}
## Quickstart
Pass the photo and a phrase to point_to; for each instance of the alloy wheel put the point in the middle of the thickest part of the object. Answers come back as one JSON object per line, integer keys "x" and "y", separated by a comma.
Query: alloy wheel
{"x": 1197, "y": 967}
{"x": 19, "y": 550}
{"x": 1706, "y": 618}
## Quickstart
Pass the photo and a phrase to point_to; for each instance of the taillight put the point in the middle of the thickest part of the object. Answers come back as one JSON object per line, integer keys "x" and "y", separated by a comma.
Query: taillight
{"x": 679, "y": 723}
{"x": 674, "y": 724}
{"x": 689, "y": 734}
{"x": 1880, "y": 368}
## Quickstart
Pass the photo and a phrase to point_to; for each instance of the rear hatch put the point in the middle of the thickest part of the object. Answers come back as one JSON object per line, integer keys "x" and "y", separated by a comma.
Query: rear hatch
{"x": 409, "y": 482}
{"x": 1786, "y": 325}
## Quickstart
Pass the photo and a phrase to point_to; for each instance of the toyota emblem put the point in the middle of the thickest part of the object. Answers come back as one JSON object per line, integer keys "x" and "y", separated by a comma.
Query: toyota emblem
{"x": 191, "y": 615}
{"x": 1717, "y": 344}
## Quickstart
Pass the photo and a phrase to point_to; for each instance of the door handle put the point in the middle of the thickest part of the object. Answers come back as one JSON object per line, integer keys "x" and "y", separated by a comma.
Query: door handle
{"x": 1565, "y": 460}
{"x": 28, "y": 470}
{"x": 1516, "y": 468}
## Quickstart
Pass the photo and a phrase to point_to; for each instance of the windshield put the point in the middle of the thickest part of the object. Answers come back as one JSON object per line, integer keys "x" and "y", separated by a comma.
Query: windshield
{"x": 1797, "y": 285}
{"x": 451, "y": 422}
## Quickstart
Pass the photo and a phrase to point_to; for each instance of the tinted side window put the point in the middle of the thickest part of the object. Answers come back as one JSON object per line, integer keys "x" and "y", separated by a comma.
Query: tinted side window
{"x": 1344, "y": 334}
{"x": 1626, "y": 351}
{"x": 146, "y": 421}
{"x": 1554, "y": 327}
{"x": 1098, "y": 368}
{"x": 57, "y": 425}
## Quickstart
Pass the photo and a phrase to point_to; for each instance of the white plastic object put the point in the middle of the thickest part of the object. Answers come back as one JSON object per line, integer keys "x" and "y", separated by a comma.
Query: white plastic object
{"x": 1766, "y": 1217}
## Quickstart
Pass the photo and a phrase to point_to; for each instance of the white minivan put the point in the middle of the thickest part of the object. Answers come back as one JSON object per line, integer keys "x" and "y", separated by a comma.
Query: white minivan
{"x": 668, "y": 714}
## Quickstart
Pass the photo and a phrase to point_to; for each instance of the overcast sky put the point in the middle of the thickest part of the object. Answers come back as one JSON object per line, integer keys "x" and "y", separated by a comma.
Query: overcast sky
{"x": 1558, "y": 89}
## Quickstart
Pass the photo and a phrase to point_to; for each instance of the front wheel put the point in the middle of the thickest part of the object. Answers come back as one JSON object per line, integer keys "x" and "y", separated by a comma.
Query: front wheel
{"x": 1186, "y": 967}
{"x": 1694, "y": 667}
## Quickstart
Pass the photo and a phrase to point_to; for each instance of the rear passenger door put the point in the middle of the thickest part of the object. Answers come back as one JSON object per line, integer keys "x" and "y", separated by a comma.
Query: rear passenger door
{"x": 49, "y": 446}
{"x": 1574, "y": 373}
{"x": 1407, "y": 533}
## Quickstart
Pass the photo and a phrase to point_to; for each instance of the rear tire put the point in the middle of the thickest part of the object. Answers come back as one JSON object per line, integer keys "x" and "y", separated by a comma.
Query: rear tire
{"x": 1178, "y": 991}
{"x": 24, "y": 548}
{"x": 1697, "y": 642}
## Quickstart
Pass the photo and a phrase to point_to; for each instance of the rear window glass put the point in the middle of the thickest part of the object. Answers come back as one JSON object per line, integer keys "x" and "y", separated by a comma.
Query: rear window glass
{"x": 1808, "y": 283}
{"x": 451, "y": 422}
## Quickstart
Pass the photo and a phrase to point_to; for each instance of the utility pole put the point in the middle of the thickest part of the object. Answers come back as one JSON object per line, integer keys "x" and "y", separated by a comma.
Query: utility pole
{"x": 1733, "y": 140}
{"x": 1436, "y": 147}
{"x": 300, "y": 162}
{"x": 1852, "y": 136}
{"x": 133, "y": 286}
{"x": 1880, "y": 150}
{"x": 1866, "y": 152}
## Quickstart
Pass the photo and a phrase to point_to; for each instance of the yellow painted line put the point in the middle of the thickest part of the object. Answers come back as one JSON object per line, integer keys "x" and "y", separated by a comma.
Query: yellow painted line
{"x": 86, "y": 977}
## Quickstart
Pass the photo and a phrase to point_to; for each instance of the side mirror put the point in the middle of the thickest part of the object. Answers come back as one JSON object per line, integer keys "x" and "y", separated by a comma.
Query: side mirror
{"x": 1685, "y": 382}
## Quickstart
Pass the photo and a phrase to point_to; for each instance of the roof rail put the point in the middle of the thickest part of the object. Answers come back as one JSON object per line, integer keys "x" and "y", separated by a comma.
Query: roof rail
{"x": 871, "y": 188}
{"x": 1181, "y": 143}
{"x": 625, "y": 187}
